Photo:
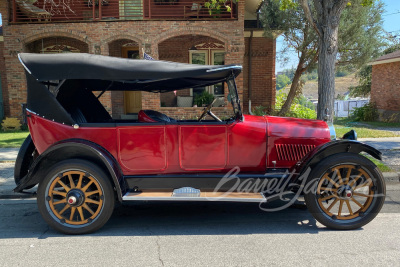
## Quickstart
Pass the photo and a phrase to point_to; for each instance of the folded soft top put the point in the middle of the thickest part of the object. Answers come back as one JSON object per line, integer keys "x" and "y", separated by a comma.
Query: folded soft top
{"x": 45, "y": 67}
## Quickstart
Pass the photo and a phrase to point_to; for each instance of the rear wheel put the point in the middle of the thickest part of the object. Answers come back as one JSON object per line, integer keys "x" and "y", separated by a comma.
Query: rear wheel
{"x": 345, "y": 191}
{"x": 76, "y": 197}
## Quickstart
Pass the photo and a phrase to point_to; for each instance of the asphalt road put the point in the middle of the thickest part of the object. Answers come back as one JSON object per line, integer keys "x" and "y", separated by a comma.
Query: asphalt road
{"x": 199, "y": 234}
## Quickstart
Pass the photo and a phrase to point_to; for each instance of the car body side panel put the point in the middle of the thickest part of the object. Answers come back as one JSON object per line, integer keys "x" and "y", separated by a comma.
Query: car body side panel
{"x": 142, "y": 148}
{"x": 45, "y": 133}
{"x": 203, "y": 147}
{"x": 248, "y": 144}
{"x": 290, "y": 139}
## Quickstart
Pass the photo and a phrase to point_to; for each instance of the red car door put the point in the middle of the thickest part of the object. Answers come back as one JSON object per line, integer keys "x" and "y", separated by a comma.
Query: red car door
{"x": 203, "y": 146}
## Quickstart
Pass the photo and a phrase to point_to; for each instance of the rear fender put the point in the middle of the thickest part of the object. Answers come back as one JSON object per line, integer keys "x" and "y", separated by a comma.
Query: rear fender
{"x": 24, "y": 159}
{"x": 73, "y": 149}
{"x": 331, "y": 148}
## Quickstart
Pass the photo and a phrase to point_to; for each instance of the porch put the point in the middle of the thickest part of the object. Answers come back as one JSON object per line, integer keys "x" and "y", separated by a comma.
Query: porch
{"x": 44, "y": 11}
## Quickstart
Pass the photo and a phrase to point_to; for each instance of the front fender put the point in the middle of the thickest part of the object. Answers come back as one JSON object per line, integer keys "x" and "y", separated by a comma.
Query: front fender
{"x": 331, "y": 148}
{"x": 72, "y": 148}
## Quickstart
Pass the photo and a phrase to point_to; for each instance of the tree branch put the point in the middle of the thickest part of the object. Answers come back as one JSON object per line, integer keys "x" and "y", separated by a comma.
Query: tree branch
{"x": 307, "y": 12}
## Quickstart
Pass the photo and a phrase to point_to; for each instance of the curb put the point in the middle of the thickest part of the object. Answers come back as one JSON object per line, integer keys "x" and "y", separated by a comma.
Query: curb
{"x": 391, "y": 176}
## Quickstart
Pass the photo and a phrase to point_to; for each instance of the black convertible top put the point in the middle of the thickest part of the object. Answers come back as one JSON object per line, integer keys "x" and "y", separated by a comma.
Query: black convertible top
{"x": 61, "y": 86}
{"x": 46, "y": 67}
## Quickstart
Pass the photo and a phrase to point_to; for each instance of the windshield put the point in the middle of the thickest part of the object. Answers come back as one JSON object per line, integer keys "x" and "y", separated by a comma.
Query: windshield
{"x": 233, "y": 97}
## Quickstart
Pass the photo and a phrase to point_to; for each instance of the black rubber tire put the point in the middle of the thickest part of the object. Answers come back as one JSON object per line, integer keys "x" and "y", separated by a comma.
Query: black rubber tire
{"x": 95, "y": 172}
{"x": 319, "y": 170}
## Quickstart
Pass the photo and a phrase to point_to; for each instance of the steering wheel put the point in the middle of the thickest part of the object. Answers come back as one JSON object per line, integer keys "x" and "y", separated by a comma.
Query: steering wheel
{"x": 206, "y": 110}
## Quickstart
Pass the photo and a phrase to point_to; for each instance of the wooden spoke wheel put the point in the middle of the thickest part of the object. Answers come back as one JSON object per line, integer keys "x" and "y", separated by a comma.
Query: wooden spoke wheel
{"x": 76, "y": 197}
{"x": 349, "y": 191}
{"x": 345, "y": 192}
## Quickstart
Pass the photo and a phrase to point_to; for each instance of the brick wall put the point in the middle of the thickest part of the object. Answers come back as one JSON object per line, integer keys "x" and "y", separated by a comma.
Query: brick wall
{"x": 3, "y": 78}
{"x": 262, "y": 72}
{"x": 385, "y": 89}
{"x": 160, "y": 39}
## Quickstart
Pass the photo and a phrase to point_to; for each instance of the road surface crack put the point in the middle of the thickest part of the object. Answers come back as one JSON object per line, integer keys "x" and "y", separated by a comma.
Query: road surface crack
{"x": 159, "y": 250}
{"x": 158, "y": 246}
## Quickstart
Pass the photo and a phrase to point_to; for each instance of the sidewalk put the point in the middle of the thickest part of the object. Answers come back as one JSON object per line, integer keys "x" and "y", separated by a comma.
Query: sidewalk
{"x": 384, "y": 143}
{"x": 8, "y": 154}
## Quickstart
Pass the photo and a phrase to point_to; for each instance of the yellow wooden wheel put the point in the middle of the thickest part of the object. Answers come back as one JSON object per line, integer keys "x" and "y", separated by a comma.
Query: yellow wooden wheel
{"x": 345, "y": 192}
{"x": 75, "y": 197}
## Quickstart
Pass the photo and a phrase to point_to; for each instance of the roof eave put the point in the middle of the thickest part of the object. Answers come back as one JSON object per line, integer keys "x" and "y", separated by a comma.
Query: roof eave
{"x": 391, "y": 60}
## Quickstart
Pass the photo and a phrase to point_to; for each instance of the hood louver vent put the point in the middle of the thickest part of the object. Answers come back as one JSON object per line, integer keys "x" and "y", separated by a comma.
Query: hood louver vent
{"x": 292, "y": 152}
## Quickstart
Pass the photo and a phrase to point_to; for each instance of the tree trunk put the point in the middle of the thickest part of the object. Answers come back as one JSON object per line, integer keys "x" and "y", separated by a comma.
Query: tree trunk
{"x": 292, "y": 92}
{"x": 326, "y": 69}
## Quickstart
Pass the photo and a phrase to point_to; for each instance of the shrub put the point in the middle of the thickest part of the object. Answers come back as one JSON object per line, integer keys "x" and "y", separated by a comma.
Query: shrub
{"x": 205, "y": 98}
{"x": 366, "y": 113}
{"x": 281, "y": 81}
{"x": 297, "y": 110}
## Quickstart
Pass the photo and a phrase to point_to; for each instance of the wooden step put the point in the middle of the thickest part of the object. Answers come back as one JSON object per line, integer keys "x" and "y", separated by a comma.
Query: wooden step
{"x": 168, "y": 195}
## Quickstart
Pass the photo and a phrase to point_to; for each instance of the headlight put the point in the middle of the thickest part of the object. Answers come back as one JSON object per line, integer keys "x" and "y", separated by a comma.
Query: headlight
{"x": 352, "y": 135}
{"x": 332, "y": 131}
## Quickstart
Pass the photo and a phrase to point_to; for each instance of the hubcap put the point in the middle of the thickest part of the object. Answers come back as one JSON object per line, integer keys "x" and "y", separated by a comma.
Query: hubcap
{"x": 345, "y": 192}
{"x": 75, "y": 197}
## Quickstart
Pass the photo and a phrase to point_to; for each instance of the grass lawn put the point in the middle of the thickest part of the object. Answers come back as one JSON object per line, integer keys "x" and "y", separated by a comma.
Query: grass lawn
{"x": 12, "y": 139}
{"x": 364, "y": 129}
{"x": 379, "y": 164}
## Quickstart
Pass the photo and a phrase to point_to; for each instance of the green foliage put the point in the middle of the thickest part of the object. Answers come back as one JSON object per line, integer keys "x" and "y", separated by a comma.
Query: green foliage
{"x": 342, "y": 72}
{"x": 205, "y": 98}
{"x": 360, "y": 33}
{"x": 301, "y": 107}
{"x": 281, "y": 81}
{"x": 365, "y": 113}
{"x": 305, "y": 102}
{"x": 364, "y": 85}
{"x": 216, "y": 6}
{"x": 310, "y": 75}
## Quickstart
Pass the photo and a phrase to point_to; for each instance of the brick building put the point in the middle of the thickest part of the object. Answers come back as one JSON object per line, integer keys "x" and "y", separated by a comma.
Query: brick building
{"x": 173, "y": 30}
{"x": 385, "y": 86}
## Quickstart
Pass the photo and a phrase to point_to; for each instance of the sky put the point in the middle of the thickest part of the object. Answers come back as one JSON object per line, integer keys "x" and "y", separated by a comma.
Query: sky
{"x": 391, "y": 23}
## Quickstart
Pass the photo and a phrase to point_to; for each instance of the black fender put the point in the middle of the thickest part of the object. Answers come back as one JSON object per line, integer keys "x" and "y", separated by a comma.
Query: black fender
{"x": 68, "y": 149}
{"x": 24, "y": 159}
{"x": 331, "y": 148}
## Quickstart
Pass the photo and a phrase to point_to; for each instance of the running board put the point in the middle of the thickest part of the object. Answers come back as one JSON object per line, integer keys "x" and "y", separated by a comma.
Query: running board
{"x": 192, "y": 194}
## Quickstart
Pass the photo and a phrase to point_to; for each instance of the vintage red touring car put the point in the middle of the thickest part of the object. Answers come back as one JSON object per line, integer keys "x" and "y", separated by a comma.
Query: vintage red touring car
{"x": 85, "y": 161}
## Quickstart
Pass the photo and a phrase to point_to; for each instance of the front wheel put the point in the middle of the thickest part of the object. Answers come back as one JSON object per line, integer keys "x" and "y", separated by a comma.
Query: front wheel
{"x": 76, "y": 197}
{"x": 345, "y": 191}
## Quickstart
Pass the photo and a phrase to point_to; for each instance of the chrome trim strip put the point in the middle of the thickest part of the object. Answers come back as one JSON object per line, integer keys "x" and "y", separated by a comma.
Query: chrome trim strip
{"x": 225, "y": 199}
{"x": 30, "y": 111}
{"x": 237, "y": 67}
{"x": 20, "y": 60}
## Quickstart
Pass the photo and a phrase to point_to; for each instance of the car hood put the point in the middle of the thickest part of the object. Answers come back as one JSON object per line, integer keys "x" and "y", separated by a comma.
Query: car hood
{"x": 297, "y": 128}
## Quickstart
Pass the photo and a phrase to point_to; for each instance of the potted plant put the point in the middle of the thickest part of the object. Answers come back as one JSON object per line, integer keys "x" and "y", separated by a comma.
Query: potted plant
{"x": 203, "y": 99}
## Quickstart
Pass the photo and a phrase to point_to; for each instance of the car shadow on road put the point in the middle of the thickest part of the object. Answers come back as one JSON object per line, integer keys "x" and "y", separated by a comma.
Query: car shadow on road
{"x": 171, "y": 218}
